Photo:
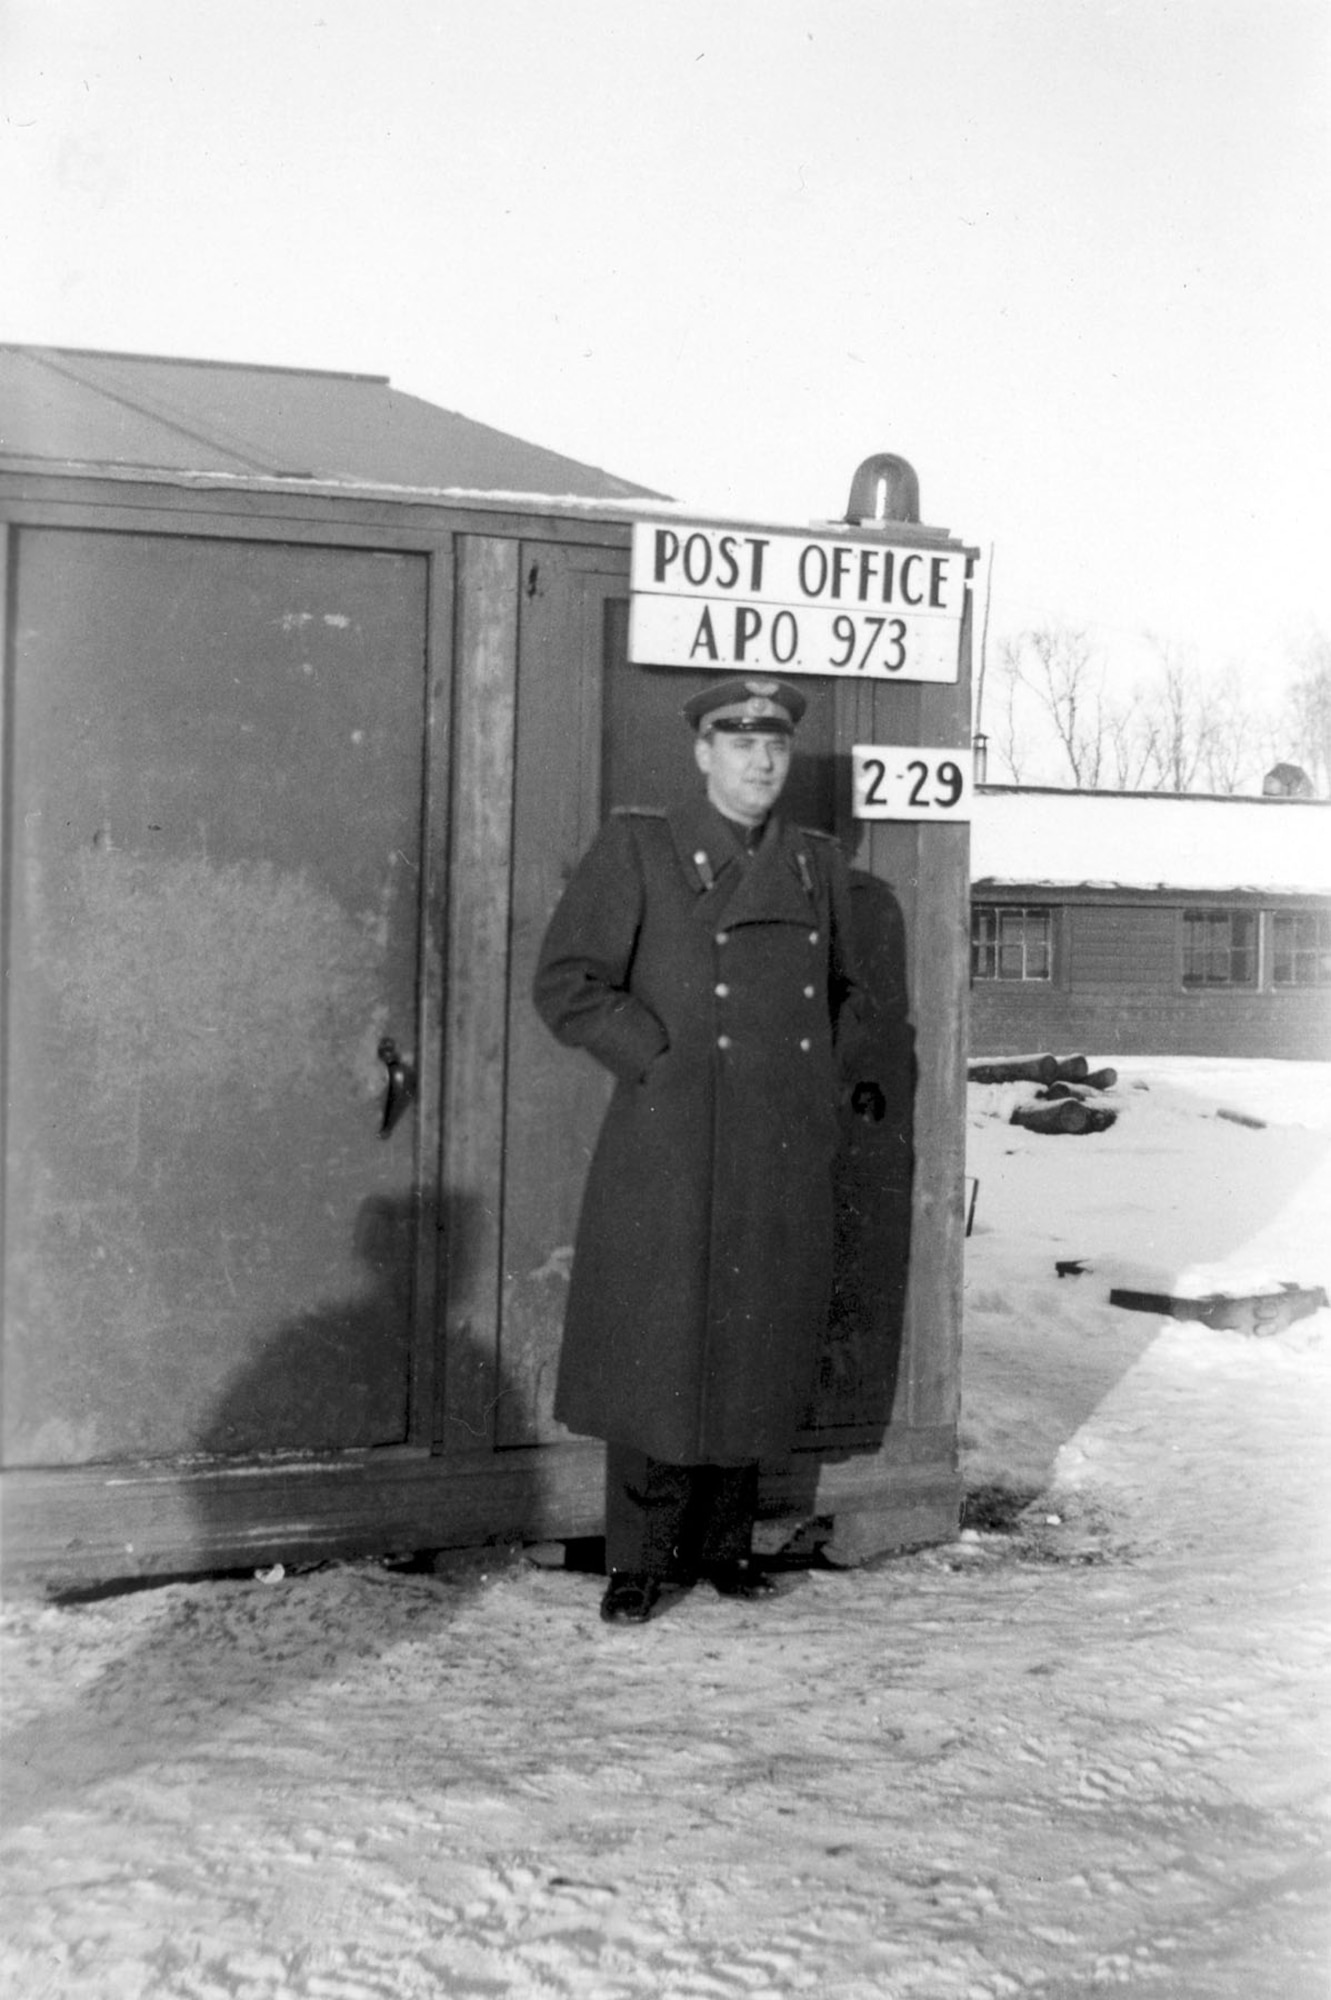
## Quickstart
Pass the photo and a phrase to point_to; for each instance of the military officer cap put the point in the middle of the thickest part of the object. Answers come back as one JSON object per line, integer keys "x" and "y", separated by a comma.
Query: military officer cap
{"x": 747, "y": 707}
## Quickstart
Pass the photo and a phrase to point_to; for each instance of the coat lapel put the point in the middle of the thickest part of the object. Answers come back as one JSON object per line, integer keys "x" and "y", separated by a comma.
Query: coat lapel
{"x": 707, "y": 854}
{"x": 774, "y": 888}
{"x": 769, "y": 886}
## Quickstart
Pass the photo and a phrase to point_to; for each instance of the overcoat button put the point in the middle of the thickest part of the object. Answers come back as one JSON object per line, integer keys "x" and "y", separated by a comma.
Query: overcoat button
{"x": 723, "y": 1041}
{"x": 806, "y": 1044}
{"x": 808, "y": 992}
{"x": 813, "y": 937}
{"x": 723, "y": 937}
{"x": 722, "y": 991}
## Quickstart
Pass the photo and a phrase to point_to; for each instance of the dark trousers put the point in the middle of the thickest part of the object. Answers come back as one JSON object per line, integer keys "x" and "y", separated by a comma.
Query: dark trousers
{"x": 664, "y": 1520}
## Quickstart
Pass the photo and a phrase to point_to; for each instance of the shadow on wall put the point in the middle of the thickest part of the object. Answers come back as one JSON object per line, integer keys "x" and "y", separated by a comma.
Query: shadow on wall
{"x": 166, "y": 1692}
{"x": 338, "y": 1376}
{"x": 860, "y": 1357}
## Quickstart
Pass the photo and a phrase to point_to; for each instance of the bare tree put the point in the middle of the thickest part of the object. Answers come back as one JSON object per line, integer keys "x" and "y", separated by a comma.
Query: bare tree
{"x": 1057, "y": 665}
{"x": 1182, "y": 730}
{"x": 1011, "y": 740}
{"x": 1231, "y": 750}
{"x": 1309, "y": 711}
{"x": 1129, "y": 745}
{"x": 1174, "y": 720}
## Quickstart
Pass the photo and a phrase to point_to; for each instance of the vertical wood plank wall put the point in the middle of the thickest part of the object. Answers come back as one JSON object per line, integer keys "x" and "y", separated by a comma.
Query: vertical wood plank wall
{"x": 927, "y": 869}
{"x": 892, "y": 852}
{"x": 435, "y": 838}
{"x": 8, "y": 538}
{"x": 485, "y": 691}
{"x": 557, "y": 1097}
{"x": 939, "y": 976}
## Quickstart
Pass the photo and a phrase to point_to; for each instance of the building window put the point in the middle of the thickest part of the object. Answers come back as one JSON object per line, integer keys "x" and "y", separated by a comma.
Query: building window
{"x": 1011, "y": 941}
{"x": 1301, "y": 948}
{"x": 1219, "y": 948}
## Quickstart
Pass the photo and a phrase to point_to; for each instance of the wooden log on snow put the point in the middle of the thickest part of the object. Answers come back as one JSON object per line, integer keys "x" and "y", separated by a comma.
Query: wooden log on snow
{"x": 1085, "y": 1091}
{"x": 1067, "y": 1114}
{"x": 1072, "y": 1069}
{"x": 1258, "y": 1312}
{"x": 1242, "y": 1118}
{"x": 1014, "y": 1069}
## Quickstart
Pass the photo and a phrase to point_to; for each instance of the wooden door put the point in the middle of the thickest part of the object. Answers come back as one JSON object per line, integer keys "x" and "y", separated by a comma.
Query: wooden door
{"x": 592, "y": 732}
{"x": 213, "y": 924}
{"x": 572, "y": 613}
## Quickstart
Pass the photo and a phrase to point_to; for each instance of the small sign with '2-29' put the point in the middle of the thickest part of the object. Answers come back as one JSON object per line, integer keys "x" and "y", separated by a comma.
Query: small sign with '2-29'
{"x": 898, "y": 781}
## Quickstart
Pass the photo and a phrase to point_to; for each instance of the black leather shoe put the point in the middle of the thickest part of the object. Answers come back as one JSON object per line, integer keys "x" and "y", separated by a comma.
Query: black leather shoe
{"x": 741, "y": 1578}
{"x": 630, "y": 1597}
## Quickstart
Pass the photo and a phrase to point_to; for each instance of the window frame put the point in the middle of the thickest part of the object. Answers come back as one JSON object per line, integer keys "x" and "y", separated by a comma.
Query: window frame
{"x": 1318, "y": 952}
{"x": 1213, "y": 953}
{"x": 994, "y": 945}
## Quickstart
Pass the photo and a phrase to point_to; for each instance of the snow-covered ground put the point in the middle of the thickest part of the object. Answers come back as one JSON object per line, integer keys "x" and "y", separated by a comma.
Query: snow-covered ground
{"x": 1087, "y": 1755}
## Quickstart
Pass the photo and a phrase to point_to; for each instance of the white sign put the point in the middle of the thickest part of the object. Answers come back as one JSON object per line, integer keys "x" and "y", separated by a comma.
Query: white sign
{"x": 794, "y": 604}
{"x": 898, "y": 781}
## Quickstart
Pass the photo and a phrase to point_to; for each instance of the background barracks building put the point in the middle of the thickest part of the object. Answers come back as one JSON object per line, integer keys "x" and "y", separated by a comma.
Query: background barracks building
{"x": 1150, "y": 924}
{"x": 314, "y": 694}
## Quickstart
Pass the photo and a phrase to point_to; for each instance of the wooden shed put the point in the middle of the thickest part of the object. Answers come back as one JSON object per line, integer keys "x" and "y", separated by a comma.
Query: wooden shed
{"x": 314, "y": 694}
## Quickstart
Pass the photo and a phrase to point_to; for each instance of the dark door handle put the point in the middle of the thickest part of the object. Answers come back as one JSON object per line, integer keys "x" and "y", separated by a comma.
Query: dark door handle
{"x": 401, "y": 1084}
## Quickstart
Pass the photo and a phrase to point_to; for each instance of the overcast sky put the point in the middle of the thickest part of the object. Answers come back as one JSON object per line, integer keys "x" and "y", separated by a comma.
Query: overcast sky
{"x": 1072, "y": 258}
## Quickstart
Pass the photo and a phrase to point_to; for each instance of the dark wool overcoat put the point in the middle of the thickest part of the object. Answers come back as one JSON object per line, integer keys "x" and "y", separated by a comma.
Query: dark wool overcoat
{"x": 712, "y": 982}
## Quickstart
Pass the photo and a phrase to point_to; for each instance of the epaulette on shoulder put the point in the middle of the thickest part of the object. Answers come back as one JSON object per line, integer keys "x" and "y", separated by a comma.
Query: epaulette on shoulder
{"x": 638, "y": 812}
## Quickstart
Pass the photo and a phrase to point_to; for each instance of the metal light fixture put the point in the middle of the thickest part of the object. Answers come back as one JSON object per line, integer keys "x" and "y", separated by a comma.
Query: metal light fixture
{"x": 884, "y": 490}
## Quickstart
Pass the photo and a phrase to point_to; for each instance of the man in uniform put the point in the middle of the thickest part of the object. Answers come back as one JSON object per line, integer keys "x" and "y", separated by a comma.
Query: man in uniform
{"x": 702, "y": 955}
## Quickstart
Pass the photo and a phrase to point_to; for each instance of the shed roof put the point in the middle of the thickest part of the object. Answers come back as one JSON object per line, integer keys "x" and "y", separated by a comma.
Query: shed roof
{"x": 1149, "y": 840}
{"x": 76, "y": 407}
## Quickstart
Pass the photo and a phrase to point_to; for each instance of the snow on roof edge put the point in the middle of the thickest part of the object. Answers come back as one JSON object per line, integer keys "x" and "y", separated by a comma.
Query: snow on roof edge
{"x": 175, "y": 475}
{"x": 988, "y": 791}
{"x": 1137, "y": 887}
{"x": 645, "y": 504}
{"x": 1177, "y": 843}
